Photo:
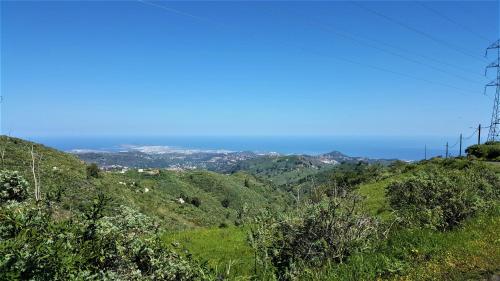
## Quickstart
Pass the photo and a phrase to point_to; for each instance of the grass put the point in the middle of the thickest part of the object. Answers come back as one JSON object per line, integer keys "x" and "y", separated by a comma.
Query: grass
{"x": 470, "y": 252}
{"x": 225, "y": 249}
{"x": 374, "y": 201}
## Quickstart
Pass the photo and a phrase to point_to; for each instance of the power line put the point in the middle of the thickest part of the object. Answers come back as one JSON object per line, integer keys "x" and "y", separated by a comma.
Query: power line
{"x": 445, "y": 17}
{"x": 172, "y": 10}
{"x": 473, "y": 133}
{"x": 425, "y": 57}
{"x": 327, "y": 28}
{"x": 415, "y": 30}
{"x": 458, "y": 141}
{"x": 302, "y": 48}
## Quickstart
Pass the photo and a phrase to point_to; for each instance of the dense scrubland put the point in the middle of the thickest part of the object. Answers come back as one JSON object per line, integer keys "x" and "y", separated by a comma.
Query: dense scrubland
{"x": 433, "y": 220}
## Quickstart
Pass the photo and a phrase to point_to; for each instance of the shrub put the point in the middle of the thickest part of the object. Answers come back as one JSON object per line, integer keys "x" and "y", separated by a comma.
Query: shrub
{"x": 92, "y": 171}
{"x": 225, "y": 203}
{"x": 488, "y": 151}
{"x": 441, "y": 198}
{"x": 196, "y": 201}
{"x": 12, "y": 186}
{"x": 312, "y": 236}
{"x": 125, "y": 246}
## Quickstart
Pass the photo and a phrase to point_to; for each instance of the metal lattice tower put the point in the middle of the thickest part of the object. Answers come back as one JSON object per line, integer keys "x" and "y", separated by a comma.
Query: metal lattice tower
{"x": 494, "y": 132}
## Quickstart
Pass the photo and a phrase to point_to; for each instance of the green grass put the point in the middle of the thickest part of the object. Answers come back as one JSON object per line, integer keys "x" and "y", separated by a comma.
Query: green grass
{"x": 375, "y": 201}
{"x": 471, "y": 252}
{"x": 225, "y": 249}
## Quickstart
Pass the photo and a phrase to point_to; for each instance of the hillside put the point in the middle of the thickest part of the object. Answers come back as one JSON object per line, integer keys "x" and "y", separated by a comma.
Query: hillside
{"x": 164, "y": 157}
{"x": 469, "y": 252}
{"x": 172, "y": 197}
{"x": 298, "y": 169}
{"x": 281, "y": 170}
{"x": 489, "y": 151}
{"x": 397, "y": 222}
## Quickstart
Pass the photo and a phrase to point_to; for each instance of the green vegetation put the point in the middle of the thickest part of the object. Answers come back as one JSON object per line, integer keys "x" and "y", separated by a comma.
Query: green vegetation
{"x": 440, "y": 197}
{"x": 93, "y": 245}
{"x": 225, "y": 249}
{"x": 283, "y": 170}
{"x": 488, "y": 151}
{"x": 432, "y": 220}
{"x": 13, "y": 187}
{"x": 374, "y": 202}
{"x": 311, "y": 236}
{"x": 92, "y": 171}
{"x": 66, "y": 181}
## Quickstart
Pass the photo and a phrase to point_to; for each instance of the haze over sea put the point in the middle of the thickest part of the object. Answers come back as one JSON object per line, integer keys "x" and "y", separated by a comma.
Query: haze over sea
{"x": 404, "y": 148}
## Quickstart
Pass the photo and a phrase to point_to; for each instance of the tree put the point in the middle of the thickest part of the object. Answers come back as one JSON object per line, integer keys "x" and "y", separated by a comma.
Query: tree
{"x": 92, "y": 171}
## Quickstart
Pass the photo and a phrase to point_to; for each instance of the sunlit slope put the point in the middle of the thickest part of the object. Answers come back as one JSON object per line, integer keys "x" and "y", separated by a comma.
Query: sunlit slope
{"x": 177, "y": 199}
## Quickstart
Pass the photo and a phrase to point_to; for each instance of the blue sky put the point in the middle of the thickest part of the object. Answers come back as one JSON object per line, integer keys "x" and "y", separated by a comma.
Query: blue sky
{"x": 397, "y": 68}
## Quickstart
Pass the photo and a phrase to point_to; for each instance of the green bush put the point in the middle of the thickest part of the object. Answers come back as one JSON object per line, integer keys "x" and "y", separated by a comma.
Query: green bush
{"x": 12, "y": 186}
{"x": 440, "y": 197}
{"x": 488, "y": 151}
{"x": 312, "y": 236}
{"x": 225, "y": 203}
{"x": 92, "y": 171}
{"x": 196, "y": 201}
{"x": 93, "y": 246}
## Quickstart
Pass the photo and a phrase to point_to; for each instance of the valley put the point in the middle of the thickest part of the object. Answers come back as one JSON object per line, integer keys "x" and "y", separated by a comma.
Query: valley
{"x": 221, "y": 224}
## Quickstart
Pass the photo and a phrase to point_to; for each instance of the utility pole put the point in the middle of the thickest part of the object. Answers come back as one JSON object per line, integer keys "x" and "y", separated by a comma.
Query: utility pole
{"x": 460, "y": 152}
{"x": 494, "y": 132}
{"x": 479, "y": 134}
{"x": 446, "y": 149}
{"x": 425, "y": 152}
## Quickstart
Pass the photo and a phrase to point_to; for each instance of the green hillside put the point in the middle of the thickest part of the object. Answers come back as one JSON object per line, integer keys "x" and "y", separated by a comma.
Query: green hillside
{"x": 431, "y": 220}
{"x": 283, "y": 170}
{"x": 469, "y": 252}
{"x": 158, "y": 196}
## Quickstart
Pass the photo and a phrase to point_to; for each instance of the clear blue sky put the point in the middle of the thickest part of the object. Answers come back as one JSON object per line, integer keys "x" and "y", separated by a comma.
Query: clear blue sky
{"x": 245, "y": 68}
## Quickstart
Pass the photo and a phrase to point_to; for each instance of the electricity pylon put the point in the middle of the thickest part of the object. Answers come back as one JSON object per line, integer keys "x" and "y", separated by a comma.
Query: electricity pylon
{"x": 494, "y": 132}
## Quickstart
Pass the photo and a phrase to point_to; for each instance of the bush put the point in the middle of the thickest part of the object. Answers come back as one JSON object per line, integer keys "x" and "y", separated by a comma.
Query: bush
{"x": 196, "y": 201}
{"x": 225, "y": 203}
{"x": 441, "y": 198}
{"x": 92, "y": 171}
{"x": 488, "y": 151}
{"x": 12, "y": 186}
{"x": 125, "y": 246}
{"x": 312, "y": 236}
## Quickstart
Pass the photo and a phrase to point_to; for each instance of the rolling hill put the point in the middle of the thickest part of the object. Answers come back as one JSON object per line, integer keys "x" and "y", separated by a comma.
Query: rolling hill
{"x": 177, "y": 199}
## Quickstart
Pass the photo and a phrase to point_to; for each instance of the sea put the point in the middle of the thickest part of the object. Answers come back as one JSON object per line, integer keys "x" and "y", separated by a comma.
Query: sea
{"x": 403, "y": 148}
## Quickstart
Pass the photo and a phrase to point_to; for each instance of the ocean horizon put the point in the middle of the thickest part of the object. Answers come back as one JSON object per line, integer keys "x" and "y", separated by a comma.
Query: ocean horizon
{"x": 404, "y": 148}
